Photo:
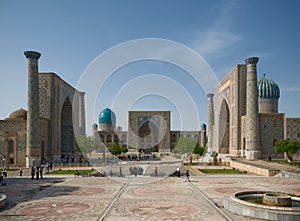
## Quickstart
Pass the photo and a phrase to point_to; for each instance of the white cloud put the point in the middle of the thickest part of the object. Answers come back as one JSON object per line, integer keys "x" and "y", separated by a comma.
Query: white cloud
{"x": 219, "y": 38}
{"x": 214, "y": 41}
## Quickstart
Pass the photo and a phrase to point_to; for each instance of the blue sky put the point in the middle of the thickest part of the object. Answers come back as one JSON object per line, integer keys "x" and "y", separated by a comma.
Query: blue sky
{"x": 70, "y": 34}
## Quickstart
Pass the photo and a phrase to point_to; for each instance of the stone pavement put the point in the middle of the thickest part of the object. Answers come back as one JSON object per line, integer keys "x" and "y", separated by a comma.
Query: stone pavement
{"x": 131, "y": 198}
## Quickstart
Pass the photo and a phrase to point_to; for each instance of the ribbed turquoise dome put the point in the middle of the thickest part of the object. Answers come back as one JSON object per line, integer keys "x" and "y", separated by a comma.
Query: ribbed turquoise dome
{"x": 267, "y": 88}
{"x": 107, "y": 116}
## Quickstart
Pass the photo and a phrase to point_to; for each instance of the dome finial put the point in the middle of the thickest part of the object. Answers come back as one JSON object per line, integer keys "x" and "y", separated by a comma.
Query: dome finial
{"x": 264, "y": 75}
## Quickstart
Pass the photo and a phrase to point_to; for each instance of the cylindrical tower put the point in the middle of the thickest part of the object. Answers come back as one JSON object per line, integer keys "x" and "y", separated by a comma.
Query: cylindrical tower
{"x": 33, "y": 148}
{"x": 203, "y": 135}
{"x": 268, "y": 95}
{"x": 210, "y": 121}
{"x": 252, "y": 122}
{"x": 81, "y": 113}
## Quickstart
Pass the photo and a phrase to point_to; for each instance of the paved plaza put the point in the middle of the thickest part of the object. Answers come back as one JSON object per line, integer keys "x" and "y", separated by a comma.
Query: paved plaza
{"x": 130, "y": 197}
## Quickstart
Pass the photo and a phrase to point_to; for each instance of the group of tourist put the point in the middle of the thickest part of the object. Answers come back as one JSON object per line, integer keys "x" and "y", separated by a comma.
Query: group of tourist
{"x": 136, "y": 171}
{"x": 137, "y": 157}
{"x": 37, "y": 172}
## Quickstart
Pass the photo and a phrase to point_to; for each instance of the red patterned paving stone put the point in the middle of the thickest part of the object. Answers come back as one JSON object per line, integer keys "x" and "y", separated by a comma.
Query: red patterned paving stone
{"x": 165, "y": 210}
{"x": 229, "y": 190}
{"x": 159, "y": 191}
{"x": 91, "y": 181}
{"x": 166, "y": 181}
{"x": 277, "y": 182}
{"x": 82, "y": 192}
{"x": 49, "y": 209}
{"x": 223, "y": 182}
{"x": 288, "y": 182}
{"x": 297, "y": 190}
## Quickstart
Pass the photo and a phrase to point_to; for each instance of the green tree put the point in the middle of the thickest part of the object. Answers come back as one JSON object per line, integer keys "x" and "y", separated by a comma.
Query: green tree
{"x": 114, "y": 148}
{"x": 124, "y": 149}
{"x": 199, "y": 150}
{"x": 87, "y": 144}
{"x": 290, "y": 147}
{"x": 185, "y": 145}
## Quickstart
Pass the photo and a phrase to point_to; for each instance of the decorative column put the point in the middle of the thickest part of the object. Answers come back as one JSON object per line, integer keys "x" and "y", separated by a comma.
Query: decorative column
{"x": 203, "y": 135}
{"x": 33, "y": 149}
{"x": 252, "y": 122}
{"x": 81, "y": 113}
{"x": 210, "y": 121}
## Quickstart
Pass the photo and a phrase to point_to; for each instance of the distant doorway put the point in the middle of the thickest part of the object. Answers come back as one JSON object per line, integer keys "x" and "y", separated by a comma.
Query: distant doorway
{"x": 148, "y": 137}
{"x": 224, "y": 125}
{"x": 67, "y": 133}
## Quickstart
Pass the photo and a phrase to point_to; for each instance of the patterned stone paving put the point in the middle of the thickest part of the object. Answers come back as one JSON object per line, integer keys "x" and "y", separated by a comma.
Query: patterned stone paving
{"x": 48, "y": 209}
{"x": 141, "y": 198}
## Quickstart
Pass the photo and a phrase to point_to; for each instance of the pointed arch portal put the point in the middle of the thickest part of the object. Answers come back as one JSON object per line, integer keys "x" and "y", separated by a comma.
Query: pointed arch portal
{"x": 67, "y": 132}
{"x": 224, "y": 125}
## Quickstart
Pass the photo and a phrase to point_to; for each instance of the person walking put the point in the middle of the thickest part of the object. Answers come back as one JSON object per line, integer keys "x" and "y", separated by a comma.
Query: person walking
{"x": 5, "y": 172}
{"x": 155, "y": 171}
{"x": 187, "y": 174}
{"x": 37, "y": 173}
{"x": 1, "y": 178}
{"x": 41, "y": 171}
{"x": 178, "y": 171}
{"x": 32, "y": 172}
{"x": 121, "y": 173}
{"x": 21, "y": 172}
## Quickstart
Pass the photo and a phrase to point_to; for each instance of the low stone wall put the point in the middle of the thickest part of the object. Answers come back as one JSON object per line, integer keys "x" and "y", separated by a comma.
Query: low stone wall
{"x": 289, "y": 174}
{"x": 253, "y": 169}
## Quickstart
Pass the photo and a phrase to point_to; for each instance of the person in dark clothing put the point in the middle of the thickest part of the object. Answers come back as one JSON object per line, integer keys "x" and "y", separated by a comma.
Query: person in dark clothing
{"x": 32, "y": 172}
{"x": 5, "y": 172}
{"x": 41, "y": 171}
{"x": 37, "y": 173}
{"x": 187, "y": 174}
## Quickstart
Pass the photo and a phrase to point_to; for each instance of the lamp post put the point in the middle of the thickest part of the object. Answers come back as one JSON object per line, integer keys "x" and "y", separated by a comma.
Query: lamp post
{"x": 3, "y": 162}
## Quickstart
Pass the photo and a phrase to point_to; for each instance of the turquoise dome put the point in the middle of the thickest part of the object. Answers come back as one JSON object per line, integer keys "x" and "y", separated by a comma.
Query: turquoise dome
{"x": 267, "y": 88}
{"x": 95, "y": 125}
{"x": 107, "y": 116}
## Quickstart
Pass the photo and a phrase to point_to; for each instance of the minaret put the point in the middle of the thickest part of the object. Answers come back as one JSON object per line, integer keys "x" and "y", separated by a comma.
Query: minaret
{"x": 252, "y": 122}
{"x": 203, "y": 135}
{"x": 210, "y": 121}
{"x": 33, "y": 148}
{"x": 81, "y": 113}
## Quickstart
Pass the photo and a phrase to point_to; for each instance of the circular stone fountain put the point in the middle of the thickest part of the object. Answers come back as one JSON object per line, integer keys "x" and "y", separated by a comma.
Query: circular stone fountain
{"x": 277, "y": 199}
{"x": 264, "y": 205}
{"x": 2, "y": 201}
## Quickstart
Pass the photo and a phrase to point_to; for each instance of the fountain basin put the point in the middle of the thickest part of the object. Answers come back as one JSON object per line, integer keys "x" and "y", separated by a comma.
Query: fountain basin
{"x": 249, "y": 203}
{"x": 2, "y": 201}
{"x": 277, "y": 199}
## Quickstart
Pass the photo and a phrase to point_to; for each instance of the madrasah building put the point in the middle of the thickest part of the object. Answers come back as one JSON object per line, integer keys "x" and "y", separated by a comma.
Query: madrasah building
{"x": 46, "y": 131}
{"x": 243, "y": 118}
{"x": 243, "y": 121}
